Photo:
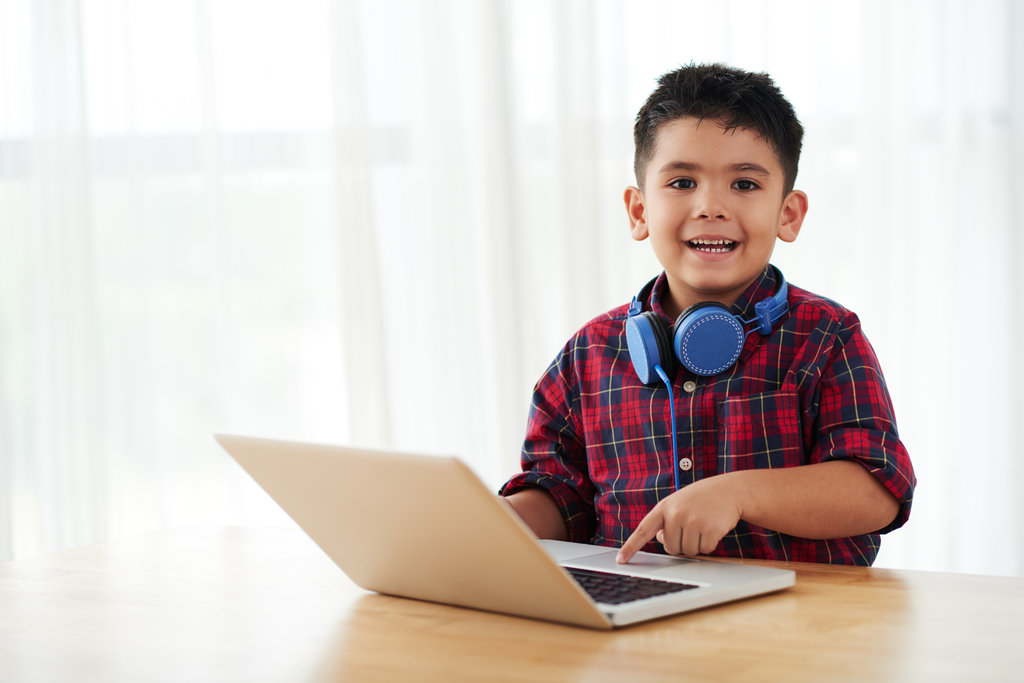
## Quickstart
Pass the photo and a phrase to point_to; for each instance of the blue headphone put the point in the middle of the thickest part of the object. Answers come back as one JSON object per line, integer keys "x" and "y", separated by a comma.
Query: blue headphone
{"x": 706, "y": 338}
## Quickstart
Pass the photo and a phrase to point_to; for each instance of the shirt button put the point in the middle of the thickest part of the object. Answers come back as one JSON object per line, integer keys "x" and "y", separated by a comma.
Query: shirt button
{"x": 685, "y": 464}
{"x": 689, "y": 386}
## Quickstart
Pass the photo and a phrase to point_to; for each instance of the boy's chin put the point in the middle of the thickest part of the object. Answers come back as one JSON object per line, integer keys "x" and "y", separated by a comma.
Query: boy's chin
{"x": 722, "y": 274}
{"x": 722, "y": 287}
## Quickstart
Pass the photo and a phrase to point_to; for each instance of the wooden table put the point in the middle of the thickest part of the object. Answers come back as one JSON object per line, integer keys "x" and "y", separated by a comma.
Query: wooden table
{"x": 240, "y": 604}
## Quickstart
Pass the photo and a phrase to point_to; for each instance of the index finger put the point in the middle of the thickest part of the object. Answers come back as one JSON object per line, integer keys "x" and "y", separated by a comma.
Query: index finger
{"x": 646, "y": 530}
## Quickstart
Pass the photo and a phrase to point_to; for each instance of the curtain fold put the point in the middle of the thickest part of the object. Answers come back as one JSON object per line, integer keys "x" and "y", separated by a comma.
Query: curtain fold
{"x": 366, "y": 359}
{"x": 377, "y": 222}
{"x": 61, "y": 464}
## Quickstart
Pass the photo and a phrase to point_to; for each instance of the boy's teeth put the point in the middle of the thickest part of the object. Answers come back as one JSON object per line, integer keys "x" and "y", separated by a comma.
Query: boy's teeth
{"x": 712, "y": 245}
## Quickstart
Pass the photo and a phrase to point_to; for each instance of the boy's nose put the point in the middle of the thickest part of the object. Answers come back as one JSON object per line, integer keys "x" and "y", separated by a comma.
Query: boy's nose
{"x": 709, "y": 206}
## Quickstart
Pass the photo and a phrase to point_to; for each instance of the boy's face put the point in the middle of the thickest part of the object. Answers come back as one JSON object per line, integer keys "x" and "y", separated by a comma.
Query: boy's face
{"x": 713, "y": 204}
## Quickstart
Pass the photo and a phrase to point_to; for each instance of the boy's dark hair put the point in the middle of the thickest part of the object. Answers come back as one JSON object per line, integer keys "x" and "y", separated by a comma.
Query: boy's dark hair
{"x": 739, "y": 99}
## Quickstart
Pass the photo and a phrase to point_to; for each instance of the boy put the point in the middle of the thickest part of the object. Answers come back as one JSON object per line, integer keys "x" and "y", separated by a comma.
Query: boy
{"x": 787, "y": 449}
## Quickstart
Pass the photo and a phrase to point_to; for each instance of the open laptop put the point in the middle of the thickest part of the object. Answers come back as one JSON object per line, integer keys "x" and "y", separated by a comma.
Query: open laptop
{"x": 426, "y": 527}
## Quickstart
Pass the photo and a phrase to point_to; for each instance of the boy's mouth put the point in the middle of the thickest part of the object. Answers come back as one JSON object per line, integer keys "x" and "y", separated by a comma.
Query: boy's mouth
{"x": 712, "y": 246}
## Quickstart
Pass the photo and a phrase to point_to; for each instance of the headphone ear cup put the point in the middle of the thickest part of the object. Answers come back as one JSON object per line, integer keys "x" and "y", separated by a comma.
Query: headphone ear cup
{"x": 707, "y": 338}
{"x": 647, "y": 339}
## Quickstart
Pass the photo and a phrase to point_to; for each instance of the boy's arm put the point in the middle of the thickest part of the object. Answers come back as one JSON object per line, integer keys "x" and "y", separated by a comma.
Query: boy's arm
{"x": 833, "y": 499}
{"x": 538, "y": 510}
{"x": 554, "y": 495}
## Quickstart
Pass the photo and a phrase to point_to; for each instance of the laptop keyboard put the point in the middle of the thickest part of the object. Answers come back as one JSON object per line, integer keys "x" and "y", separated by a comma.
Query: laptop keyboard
{"x": 616, "y": 589}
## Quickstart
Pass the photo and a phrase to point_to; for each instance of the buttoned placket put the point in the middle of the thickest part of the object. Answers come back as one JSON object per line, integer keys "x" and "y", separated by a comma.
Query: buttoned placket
{"x": 685, "y": 463}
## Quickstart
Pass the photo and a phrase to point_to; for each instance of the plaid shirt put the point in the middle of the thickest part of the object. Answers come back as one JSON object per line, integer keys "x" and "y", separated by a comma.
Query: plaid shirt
{"x": 599, "y": 441}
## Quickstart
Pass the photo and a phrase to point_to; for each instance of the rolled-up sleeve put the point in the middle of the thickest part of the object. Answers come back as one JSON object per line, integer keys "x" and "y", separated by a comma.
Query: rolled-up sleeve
{"x": 553, "y": 455}
{"x": 855, "y": 418}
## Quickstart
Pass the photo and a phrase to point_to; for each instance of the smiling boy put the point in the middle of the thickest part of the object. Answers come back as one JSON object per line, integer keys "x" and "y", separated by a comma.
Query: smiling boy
{"x": 789, "y": 450}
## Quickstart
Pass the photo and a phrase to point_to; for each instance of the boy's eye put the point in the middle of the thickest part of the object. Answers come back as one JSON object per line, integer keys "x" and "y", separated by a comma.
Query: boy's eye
{"x": 745, "y": 185}
{"x": 683, "y": 184}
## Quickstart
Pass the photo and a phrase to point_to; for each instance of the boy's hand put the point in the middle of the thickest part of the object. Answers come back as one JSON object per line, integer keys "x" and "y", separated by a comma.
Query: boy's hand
{"x": 832, "y": 499}
{"x": 690, "y": 521}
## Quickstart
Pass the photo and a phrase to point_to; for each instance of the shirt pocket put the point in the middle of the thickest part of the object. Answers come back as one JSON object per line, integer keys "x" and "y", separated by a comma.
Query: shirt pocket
{"x": 762, "y": 431}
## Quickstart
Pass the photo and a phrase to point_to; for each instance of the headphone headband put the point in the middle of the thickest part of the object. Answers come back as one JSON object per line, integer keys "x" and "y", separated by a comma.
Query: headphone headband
{"x": 637, "y": 305}
{"x": 769, "y": 311}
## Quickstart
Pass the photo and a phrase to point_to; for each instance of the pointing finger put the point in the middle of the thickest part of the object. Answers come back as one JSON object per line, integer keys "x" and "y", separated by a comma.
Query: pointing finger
{"x": 647, "y": 529}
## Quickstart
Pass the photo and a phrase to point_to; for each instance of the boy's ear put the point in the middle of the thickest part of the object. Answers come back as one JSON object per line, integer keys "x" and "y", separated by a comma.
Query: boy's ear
{"x": 637, "y": 212}
{"x": 794, "y": 208}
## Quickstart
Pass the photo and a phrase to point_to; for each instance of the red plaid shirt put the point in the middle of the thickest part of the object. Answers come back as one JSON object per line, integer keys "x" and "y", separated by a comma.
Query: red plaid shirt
{"x": 599, "y": 441}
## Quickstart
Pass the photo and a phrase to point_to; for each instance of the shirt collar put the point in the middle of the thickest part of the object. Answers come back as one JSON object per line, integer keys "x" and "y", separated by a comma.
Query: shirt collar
{"x": 761, "y": 288}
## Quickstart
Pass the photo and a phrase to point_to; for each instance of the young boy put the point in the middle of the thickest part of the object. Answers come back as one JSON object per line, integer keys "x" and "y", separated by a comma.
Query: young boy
{"x": 757, "y": 424}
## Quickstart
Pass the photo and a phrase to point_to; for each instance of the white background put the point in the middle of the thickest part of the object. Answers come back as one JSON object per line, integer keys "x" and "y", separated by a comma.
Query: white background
{"x": 378, "y": 221}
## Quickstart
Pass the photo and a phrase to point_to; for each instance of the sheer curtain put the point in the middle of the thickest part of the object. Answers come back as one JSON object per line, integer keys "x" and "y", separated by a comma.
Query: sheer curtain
{"x": 377, "y": 222}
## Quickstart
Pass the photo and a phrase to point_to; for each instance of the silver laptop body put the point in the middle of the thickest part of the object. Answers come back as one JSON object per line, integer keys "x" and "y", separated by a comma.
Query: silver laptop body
{"x": 426, "y": 527}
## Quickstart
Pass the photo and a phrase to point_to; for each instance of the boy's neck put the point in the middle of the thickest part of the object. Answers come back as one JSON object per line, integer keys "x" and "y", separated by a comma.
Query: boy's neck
{"x": 673, "y": 305}
{"x": 767, "y": 280}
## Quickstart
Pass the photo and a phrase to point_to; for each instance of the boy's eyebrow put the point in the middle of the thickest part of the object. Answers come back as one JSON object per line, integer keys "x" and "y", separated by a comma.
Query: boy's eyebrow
{"x": 750, "y": 167}
{"x": 741, "y": 167}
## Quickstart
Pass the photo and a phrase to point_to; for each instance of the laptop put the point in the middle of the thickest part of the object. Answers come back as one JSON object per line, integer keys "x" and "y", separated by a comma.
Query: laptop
{"x": 426, "y": 527}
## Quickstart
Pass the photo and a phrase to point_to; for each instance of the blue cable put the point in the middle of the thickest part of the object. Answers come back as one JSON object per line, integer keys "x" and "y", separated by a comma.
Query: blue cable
{"x": 672, "y": 410}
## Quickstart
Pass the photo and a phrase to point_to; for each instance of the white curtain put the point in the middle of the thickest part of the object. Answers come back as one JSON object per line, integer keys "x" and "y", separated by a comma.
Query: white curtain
{"x": 376, "y": 221}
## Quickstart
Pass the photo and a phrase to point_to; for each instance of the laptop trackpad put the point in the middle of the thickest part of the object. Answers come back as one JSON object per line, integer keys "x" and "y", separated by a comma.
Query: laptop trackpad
{"x": 641, "y": 563}
{"x": 603, "y": 558}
